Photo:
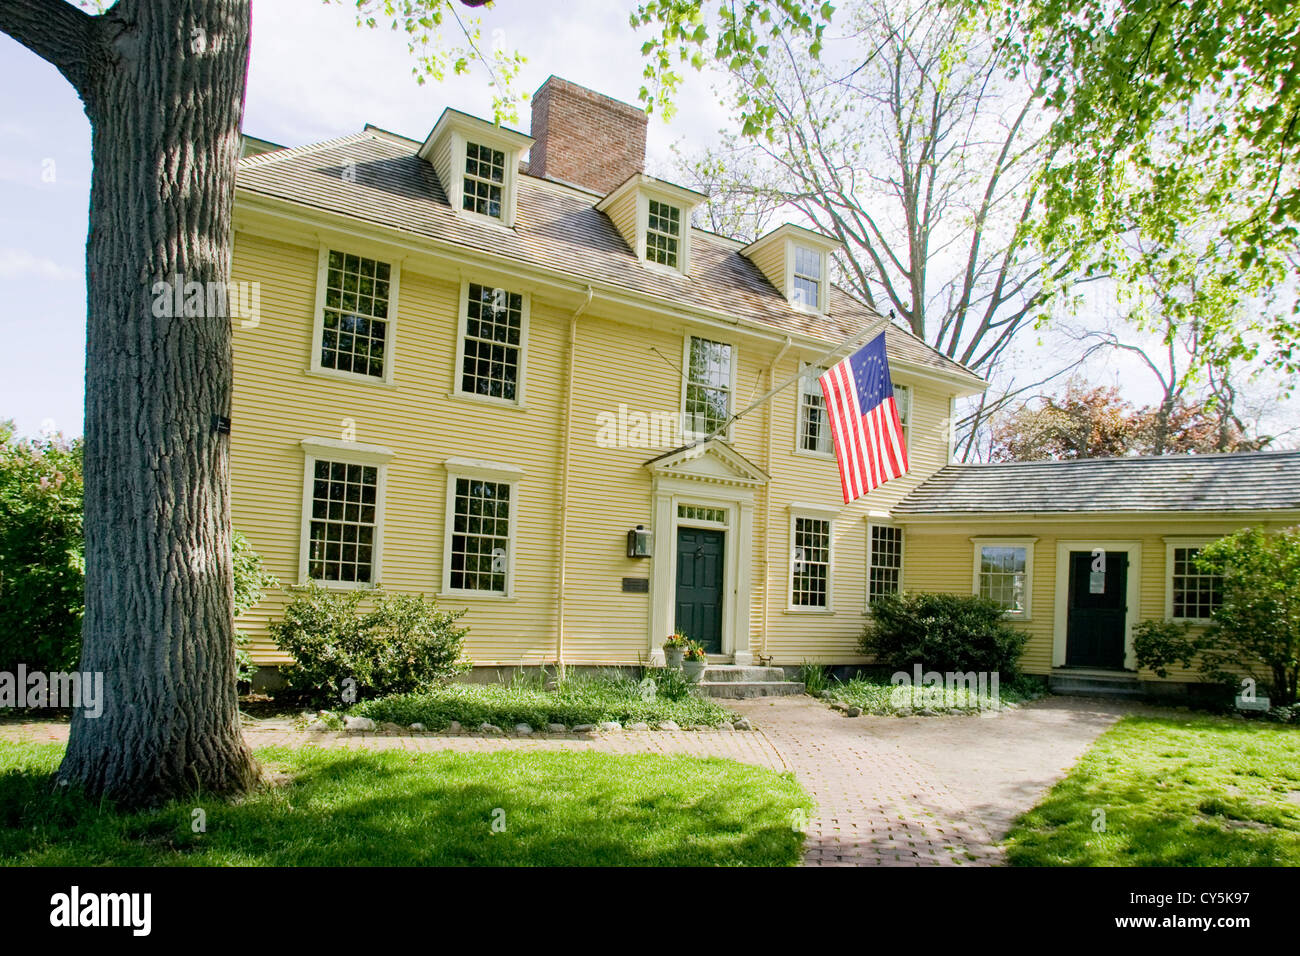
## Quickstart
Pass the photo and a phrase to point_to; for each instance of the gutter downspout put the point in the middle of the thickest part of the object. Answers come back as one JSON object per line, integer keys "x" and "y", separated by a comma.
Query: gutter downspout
{"x": 767, "y": 500}
{"x": 564, "y": 483}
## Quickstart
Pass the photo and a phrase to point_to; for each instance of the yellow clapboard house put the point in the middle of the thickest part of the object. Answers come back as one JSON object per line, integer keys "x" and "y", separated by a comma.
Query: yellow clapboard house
{"x": 481, "y": 368}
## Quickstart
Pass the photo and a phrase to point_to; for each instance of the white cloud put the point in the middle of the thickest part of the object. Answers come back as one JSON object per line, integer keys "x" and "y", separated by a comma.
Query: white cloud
{"x": 20, "y": 264}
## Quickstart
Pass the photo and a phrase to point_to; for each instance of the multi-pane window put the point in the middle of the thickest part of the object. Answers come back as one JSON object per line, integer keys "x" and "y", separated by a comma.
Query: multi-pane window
{"x": 807, "y": 277}
{"x": 354, "y": 333}
{"x": 814, "y": 425}
{"x": 493, "y": 329}
{"x": 903, "y": 399}
{"x": 708, "y": 386}
{"x": 702, "y": 513}
{"x": 343, "y": 522}
{"x": 810, "y": 569}
{"x": 885, "y": 574}
{"x": 480, "y": 540}
{"x": 1002, "y": 575}
{"x": 485, "y": 177}
{"x": 663, "y": 234}
{"x": 1196, "y": 595}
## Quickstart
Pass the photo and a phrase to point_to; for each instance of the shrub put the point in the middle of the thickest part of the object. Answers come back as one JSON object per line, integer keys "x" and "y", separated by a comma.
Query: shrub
{"x": 401, "y": 645}
{"x": 251, "y": 583}
{"x": 1256, "y": 630}
{"x": 1157, "y": 644}
{"x": 42, "y": 564}
{"x": 942, "y": 632}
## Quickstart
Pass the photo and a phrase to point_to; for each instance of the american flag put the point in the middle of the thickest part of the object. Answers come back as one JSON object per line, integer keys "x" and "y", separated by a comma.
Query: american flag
{"x": 865, "y": 426}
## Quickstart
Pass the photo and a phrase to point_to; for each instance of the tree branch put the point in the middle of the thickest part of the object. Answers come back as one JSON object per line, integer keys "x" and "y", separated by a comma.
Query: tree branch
{"x": 56, "y": 31}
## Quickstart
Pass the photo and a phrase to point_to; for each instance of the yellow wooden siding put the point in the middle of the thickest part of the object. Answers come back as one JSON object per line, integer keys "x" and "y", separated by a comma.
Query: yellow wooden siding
{"x": 940, "y": 558}
{"x": 277, "y": 405}
{"x": 622, "y": 213}
{"x": 802, "y": 478}
{"x": 440, "y": 160}
{"x": 770, "y": 260}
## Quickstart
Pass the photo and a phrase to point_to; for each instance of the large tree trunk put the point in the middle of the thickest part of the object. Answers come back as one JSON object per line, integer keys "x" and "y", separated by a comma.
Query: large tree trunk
{"x": 163, "y": 85}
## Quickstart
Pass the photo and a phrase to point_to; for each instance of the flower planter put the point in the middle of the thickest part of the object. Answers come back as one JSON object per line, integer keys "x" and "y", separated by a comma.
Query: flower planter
{"x": 673, "y": 656}
{"x": 694, "y": 670}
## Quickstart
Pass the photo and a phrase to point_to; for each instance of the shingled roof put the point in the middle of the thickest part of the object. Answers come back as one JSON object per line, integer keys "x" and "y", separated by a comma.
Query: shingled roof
{"x": 557, "y": 228}
{"x": 1251, "y": 481}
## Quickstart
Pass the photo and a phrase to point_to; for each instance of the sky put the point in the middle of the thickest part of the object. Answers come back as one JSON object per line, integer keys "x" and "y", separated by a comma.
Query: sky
{"x": 314, "y": 74}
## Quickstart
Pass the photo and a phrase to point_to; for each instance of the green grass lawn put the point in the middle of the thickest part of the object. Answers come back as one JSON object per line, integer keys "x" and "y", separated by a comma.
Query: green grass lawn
{"x": 578, "y": 700}
{"x": 339, "y": 808}
{"x": 1200, "y": 791}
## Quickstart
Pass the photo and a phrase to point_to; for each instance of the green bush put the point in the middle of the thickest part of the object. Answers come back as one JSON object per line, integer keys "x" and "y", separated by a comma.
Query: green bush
{"x": 1157, "y": 644}
{"x": 1255, "y": 632}
{"x": 942, "y": 632}
{"x": 42, "y": 566}
{"x": 42, "y": 557}
{"x": 401, "y": 645}
{"x": 251, "y": 582}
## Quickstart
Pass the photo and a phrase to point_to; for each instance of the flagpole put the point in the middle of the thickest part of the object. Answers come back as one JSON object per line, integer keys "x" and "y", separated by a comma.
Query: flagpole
{"x": 853, "y": 340}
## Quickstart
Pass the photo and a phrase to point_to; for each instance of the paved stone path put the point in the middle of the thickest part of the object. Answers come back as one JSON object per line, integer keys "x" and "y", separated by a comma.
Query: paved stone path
{"x": 925, "y": 791}
{"x": 920, "y": 791}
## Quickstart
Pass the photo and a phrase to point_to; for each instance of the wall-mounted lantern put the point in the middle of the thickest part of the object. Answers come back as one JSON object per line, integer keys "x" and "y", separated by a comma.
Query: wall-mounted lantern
{"x": 640, "y": 543}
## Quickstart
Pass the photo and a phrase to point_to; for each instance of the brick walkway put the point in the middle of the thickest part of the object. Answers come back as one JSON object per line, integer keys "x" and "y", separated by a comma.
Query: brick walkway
{"x": 923, "y": 791}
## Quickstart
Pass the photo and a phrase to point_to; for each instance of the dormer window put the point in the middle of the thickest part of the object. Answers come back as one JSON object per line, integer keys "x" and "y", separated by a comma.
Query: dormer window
{"x": 477, "y": 163}
{"x": 663, "y": 233}
{"x": 655, "y": 219}
{"x": 797, "y": 261}
{"x": 807, "y": 277}
{"x": 485, "y": 178}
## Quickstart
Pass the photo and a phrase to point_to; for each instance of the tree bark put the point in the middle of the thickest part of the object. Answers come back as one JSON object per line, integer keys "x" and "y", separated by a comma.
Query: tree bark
{"x": 163, "y": 86}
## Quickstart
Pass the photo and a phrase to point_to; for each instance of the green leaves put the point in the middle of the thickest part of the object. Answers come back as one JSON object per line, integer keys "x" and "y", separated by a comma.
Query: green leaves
{"x": 736, "y": 37}
{"x": 1178, "y": 126}
{"x": 425, "y": 23}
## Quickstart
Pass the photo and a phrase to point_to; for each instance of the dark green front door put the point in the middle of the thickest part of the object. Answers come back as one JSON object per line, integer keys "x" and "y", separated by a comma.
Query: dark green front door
{"x": 1098, "y": 599}
{"x": 699, "y": 586}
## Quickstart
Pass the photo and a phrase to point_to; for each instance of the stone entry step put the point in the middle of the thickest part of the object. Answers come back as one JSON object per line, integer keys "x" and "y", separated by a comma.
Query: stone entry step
{"x": 1095, "y": 685}
{"x": 737, "y": 682}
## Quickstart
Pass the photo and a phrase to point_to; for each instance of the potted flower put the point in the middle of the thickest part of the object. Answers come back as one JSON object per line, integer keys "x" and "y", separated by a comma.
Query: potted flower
{"x": 696, "y": 660}
{"x": 675, "y": 648}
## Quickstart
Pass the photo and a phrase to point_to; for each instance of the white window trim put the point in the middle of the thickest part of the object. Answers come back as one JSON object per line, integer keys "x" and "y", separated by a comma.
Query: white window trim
{"x": 351, "y": 453}
{"x": 687, "y": 434}
{"x": 823, "y": 285}
{"x": 952, "y": 430}
{"x": 798, "y": 418}
{"x": 457, "y": 371}
{"x": 902, "y": 556}
{"x": 502, "y": 473}
{"x": 818, "y": 513}
{"x": 1172, "y": 543}
{"x": 1013, "y": 542}
{"x": 643, "y": 198}
{"x": 509, "y": 186}
{"x": 394, "y": 264}
{"x": 911, "y": 412}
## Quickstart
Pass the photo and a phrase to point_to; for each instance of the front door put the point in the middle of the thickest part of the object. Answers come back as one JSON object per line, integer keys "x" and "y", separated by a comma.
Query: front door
{"x": 1097, "y": 609}
{"x": 699, "y": 586}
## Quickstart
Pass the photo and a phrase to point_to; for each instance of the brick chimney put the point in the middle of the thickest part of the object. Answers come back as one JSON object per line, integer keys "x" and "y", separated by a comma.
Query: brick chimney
{"x": 585, "y": 138}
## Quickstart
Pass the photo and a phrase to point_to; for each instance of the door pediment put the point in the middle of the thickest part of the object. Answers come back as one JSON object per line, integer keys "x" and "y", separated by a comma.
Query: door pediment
{"x": 712, "y": 461}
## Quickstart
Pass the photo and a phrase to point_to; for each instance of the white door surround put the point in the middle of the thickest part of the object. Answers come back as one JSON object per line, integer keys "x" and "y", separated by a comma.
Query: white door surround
{"x": 1060, "y": 627}
{"x": 710, "y": 475}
